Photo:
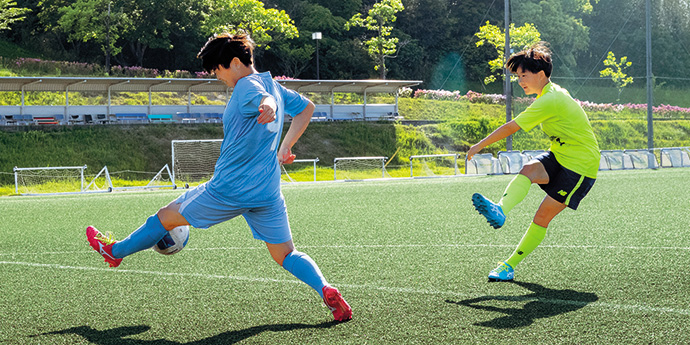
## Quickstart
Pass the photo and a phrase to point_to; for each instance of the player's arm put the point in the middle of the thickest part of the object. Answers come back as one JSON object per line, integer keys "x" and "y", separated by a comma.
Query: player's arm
{"x": 500, "y": 133}
{"x": 297, "y": 126}
{"x": 267, "y": 110}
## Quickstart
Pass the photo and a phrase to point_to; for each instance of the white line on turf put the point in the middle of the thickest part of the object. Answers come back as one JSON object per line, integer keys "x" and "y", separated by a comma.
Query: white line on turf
{"x": 639, "y": 308}
{"x": 360, "y": 246}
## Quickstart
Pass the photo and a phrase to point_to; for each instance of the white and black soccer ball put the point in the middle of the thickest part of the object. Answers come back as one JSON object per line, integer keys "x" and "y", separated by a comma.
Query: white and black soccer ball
{"x": 173, "y": 241}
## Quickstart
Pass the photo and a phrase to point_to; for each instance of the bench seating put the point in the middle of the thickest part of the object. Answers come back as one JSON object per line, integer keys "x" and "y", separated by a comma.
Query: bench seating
{"x": 132, "y": 117}
{"x": 161, "y": 118}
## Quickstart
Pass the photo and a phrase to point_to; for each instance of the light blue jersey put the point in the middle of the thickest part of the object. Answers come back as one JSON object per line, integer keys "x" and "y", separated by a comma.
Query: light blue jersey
{"x": 247, "y": 173}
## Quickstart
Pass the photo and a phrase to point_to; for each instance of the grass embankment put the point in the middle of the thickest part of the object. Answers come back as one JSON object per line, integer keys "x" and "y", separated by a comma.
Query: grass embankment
{"x": 455, "y": 126}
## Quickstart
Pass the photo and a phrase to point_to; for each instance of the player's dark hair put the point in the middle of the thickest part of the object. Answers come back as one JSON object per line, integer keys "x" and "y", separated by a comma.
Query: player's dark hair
{"x": 534, "y": 59}
{"x": 221, "y": 49}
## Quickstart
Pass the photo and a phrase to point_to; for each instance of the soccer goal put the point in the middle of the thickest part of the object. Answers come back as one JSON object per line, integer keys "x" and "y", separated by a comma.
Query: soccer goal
{"x": 512, "y": 161}
{"x": 194, "y": 160}
{"x": 46, "y": 180}
{"x": 298, "y": 170}
{"x": 614, "y": 160}
{"x": 642, "y": 159}
{"x": 55, "y": 180}
{"x": 434, "y": 165}
{"x": 675, "y": 157}
{"x": 359, "y": 168}
{"x": 483, "y": 164}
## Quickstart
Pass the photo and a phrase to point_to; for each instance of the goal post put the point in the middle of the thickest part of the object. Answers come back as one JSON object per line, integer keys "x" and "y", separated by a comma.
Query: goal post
{"x": 42, "y": 180}
{"x": 359, "y": 168}
{"x": 285, "y": 171}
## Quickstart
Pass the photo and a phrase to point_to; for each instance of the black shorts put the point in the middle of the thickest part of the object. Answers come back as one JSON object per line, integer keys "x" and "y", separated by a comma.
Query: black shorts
{"x": 565, "y": 186}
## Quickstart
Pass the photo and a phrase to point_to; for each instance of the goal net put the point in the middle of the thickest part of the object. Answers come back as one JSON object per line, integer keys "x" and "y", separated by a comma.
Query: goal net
{"x": 434, "y": 165}
{"x": 675, "y": 157}
{"x": 483, "y": 164}
{"x": 359, "y": 168}
{"x": 194, "y": 160}
{"x": 45, "y": 180}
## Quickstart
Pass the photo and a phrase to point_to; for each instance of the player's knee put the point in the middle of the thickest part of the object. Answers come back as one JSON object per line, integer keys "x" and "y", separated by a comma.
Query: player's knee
{"x": 535, "y": 173}
{"x": 170, "y": 218}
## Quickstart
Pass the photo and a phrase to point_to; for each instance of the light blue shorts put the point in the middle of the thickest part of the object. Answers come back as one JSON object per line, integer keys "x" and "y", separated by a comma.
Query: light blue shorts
{"x": 268, "y": 223}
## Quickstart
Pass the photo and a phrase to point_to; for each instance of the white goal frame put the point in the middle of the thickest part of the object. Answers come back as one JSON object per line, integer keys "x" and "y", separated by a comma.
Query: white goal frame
{"x": 82, "y": 189}
{"x": 337, "y": 159}
{"x": 17, "y": 170}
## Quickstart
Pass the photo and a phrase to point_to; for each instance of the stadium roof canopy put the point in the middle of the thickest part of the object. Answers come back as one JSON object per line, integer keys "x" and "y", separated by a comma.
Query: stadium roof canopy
{"x": 72, "y": 84}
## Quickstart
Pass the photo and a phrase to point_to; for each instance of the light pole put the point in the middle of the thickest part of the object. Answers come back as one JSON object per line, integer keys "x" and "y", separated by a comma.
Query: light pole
{"x": 317, "y": 36}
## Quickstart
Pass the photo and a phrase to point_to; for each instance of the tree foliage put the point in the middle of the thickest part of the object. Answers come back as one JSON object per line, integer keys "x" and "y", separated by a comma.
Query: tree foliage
{"x": 615, "y": 71}
{"x": 263, "y": 24}
{"x": 90, "y": 20}
{"x": 520, "y": 38}
{"x": 379, "y": 19}
{"x": 432, "y": 40}
{"x": 10, "y": 14}
{"x": 560, "y": 23}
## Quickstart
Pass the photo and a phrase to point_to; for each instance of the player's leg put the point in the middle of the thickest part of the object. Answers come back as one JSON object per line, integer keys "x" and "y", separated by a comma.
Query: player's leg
{"x": 515, "y": 192}
{"x": 270, "y": 224}
{"x": 144, "y": 237}
{"x": 536, "y": 232}
{"x": 196, "y": 203}
{"x": 534, "y": 235}
{"x": 517, "y": 189}
{"x": 305, "y": 269}
{"x": 152, "y": 231}
{"x": 299, "y": 264}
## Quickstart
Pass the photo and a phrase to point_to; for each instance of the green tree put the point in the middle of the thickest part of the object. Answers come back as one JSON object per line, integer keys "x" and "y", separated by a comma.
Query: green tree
{"x": 379, "y": 19}
{"x": 520, "y": 38}
{"x": 560, "y": 23}
{"x": 91, "y": 20}
{"x": 10, "y": 14}
{"x": 615, "y": 71}
{"x": 264, "y": 25}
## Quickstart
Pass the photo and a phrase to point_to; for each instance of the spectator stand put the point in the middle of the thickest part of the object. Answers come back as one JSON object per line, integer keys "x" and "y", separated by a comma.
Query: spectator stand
{"x": 77, "y": 114}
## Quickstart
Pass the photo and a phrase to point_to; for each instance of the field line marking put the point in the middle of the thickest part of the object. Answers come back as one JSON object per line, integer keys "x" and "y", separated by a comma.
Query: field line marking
{"x": 356, "y": 246}
{"x": 640, "y": 308}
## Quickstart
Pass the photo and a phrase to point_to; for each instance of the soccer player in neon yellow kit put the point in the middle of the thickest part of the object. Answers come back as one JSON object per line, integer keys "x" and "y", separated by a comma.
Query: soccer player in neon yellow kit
{"x": 566, "y": 172}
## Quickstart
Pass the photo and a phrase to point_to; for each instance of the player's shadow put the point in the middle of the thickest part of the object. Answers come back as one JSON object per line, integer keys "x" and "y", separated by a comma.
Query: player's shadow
{"x": 541, "y": 303}
{"x": 118, "y": 336}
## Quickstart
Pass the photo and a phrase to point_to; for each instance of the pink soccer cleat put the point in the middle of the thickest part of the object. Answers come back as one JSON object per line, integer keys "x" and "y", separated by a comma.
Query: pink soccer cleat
{"x": 103, "y": 244}
{"x": 335, "y": 302}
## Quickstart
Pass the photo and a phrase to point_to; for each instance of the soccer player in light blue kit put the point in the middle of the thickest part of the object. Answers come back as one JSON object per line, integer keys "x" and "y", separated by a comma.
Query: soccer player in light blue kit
{"x": 246, "y": 180}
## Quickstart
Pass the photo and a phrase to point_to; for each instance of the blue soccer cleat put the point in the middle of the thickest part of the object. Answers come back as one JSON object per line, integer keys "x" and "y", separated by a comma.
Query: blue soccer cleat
{"x": 503, "y": 273}
{"x": 491, "y": 211}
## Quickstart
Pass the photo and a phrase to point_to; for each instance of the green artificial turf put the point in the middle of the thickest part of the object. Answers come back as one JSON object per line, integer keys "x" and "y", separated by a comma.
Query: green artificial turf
{"x": 411, "y": 256}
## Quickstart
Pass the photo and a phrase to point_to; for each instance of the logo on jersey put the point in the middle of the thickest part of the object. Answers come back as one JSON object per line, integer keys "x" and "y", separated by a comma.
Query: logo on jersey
{"x": 558, "y": 140}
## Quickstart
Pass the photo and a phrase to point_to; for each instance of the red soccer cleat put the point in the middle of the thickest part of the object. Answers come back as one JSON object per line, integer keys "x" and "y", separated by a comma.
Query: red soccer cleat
{"x": 103, "y": 244}
{"x": 335, "y": 302}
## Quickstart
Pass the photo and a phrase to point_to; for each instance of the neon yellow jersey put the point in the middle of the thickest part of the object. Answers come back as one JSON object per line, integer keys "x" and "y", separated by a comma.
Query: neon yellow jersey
{"x": 563, "y": 120}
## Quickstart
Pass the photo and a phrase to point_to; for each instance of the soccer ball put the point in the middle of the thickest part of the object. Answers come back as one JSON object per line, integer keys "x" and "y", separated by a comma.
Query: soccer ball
{"x": 173, "y": 241}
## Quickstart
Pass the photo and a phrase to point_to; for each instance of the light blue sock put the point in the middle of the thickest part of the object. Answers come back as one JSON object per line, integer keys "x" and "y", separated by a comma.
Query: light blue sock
{"x": 306, "y": 270}
{"x": 143, "y": 238}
